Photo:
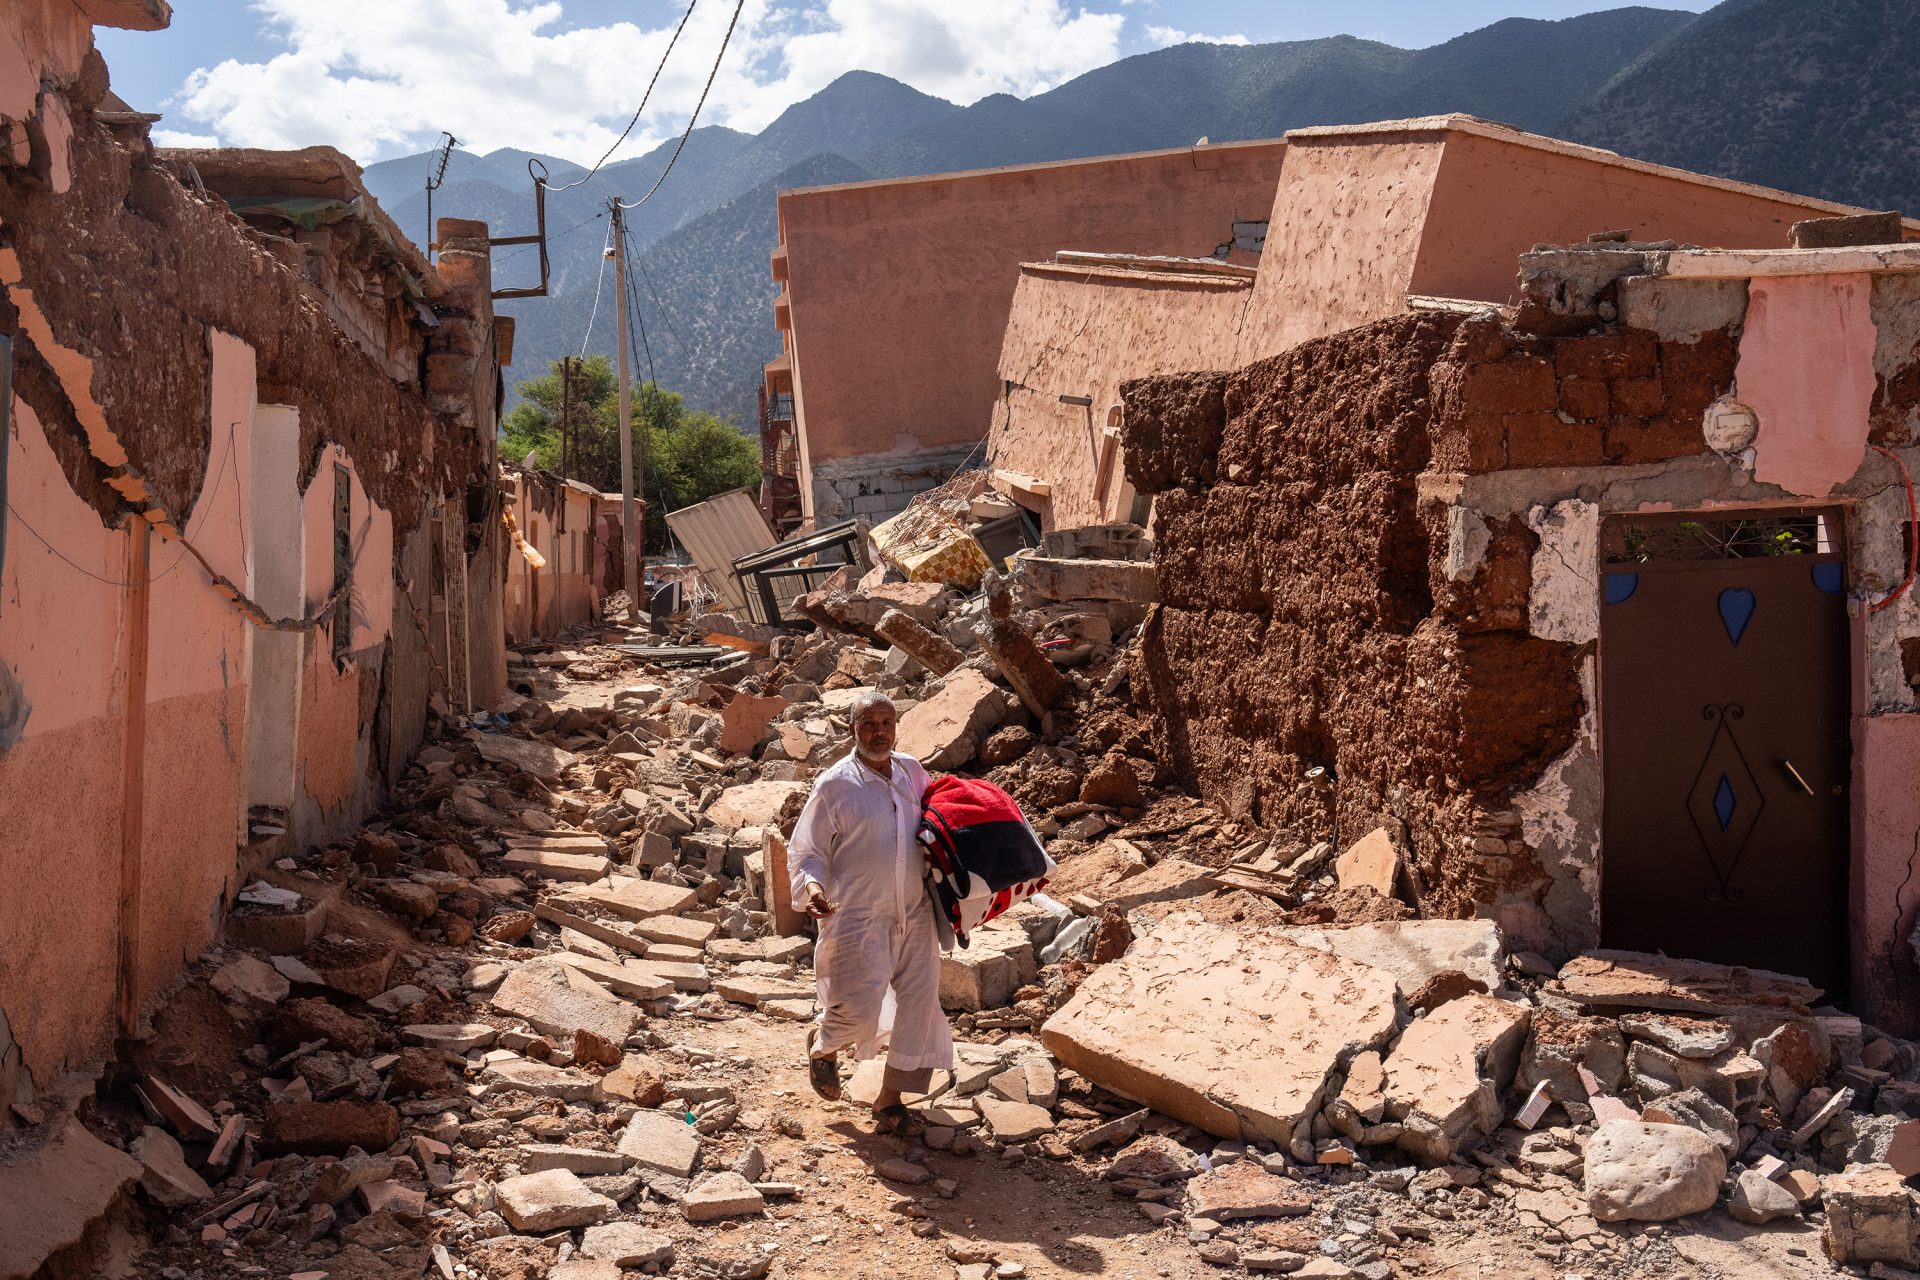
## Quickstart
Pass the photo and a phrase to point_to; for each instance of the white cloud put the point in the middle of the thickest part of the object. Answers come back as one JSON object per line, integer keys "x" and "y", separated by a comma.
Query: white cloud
{"x": 376, "y": 78}
{"x": 180, "y": 138}
{"x": 1164, "y": 36}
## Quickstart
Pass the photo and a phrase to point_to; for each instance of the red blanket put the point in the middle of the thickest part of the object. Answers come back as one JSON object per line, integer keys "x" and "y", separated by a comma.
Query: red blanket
{"x": 982, "y": 855}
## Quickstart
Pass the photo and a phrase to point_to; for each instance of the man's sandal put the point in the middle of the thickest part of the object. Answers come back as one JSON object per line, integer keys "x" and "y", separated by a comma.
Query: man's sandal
{"x": 899, "y": 1121}
{"x": 823, "y": 1073}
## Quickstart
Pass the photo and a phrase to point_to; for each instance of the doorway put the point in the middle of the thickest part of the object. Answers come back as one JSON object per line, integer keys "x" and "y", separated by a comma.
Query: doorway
{"x": 1723, "y": 721}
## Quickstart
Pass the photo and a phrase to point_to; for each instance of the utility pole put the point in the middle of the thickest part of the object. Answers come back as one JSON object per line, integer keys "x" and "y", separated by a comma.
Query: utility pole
{"x": 566, "y": 412}
{"x": 629, "y": 538}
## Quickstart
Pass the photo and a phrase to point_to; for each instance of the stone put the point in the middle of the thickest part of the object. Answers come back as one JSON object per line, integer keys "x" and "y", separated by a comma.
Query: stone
{"x": 551, "y": 1200}
{"x": 1903, "y": 1150}
{"x": 557, "y": 1000}
{"x": 1014, "y": 1121}
{"x": 1245, "y": 1190}
{"x": 1112, "y": 782}
{"x": 756, "y": 991}
{"x": 934, "y": 652}
{"x": 328, "y": 1128}
{"x": 997, "y": 961}
{"x": 1696, "y": 1110}
{"x": 394, "y": 1198}
{"x": 405, "y": 898}
{"x": 1637, "y": 980}
{"x": 676, "y": 931}
{"x": 250, "y": 981}
{"x": 724, "y": 1195}
{"x": 399, "y": 999}
{"x": 1154, "y": 1158}
{"x": 752, "y": 804}
{"x": 903, "y": 1171}
{"x": 417, "y": 1071}
{"x": 1043, "y": 1082}
{"x": 1021, "y": 662}
{"x": 1235, "y": 1033}
{"x": 628, "y": 1244}
{"x": 458, "y": 1037}
{"x": 744, "y": 721}
{"x": 1168, "y": 880}
{"x": 1683, "y": 1037}
{"x": 1444, "y": 1078}
{"x": 164, "y": 1174}
{"x": 1758, "y": 1200}
{"x": 542, "y": 760}
{"x": 541, "y": 1079}
{"x": 553, "y": 864}
{"x": 299, "y": 1022}
{"x": 636, "y": 1080}
{"x": 1643, "y": 1172}
{"x": 538, "y": 1157}
{"x": 508, "y": 926}
{"x": 943, "y": 731}
{"x": 585, "y": 1269}
{"x": 353, "y": 966}
{"x": 1273, "y": 1261}
{"x": 1415, "y": 952}
{"x": 634, "y": 979}
{"x": 662, "y": 1142}
{"x": 58, "y": 1196}
{"x": 1870, "y": 1217}
{"x": 1372, "y": 861}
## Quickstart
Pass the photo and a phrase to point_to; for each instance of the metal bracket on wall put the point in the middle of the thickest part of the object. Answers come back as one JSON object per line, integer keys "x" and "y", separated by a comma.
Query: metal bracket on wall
{"x": 538, "y": 172}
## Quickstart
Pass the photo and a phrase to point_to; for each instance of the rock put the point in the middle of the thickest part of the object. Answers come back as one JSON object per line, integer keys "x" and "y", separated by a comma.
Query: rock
{"x": 1154, "y": 1158}
{"x": 943, "y": 731}
{"x": 1684, "y": 1037}
{"x": 1870, "y": 1217}
{"x": 418, "y": 1071}
{"x": 1637, "y": 980}
{"x": 551, "y": 1200}
{"x": 744, "y": 721}
{"x": 1014, "y": 1121}
{"x": 637, "y": 1081}
{"x": 405, "y": 898}
{"x": 585, "y": 1269}
{"x": 661, "y": 1141}
{"x": 1444, "y": 1078}
{"x": 250, "y": 981}
{"x": 1757, "y": 1200}
{"x": 299, "y": 1022}
{"x": 450, "y": 1037}
{"x": 904, "y": 1171}
{"x": 1112, "y": 782}
{"x": 1004, "y": 746}
{"x": 508, "y": 926}
{"x": 1234, "y": 1033}
{"x": 1245, "y": 1190}
{"x": 1111, "y": 937}
{"x": 753, "y": 804}
{"x": 559, "y": 864}
{"x": 1273, "y": 1261}
{"x": 1696, "y": 1110}
{"x": 634, "y": 979}
{"x": 164, "y": 1175}
{"x": 1168, "y": 880}
{"x": 1372, "y": 861}
{"x": 997, "y": 961}
{"x": 1794, "y": 1062}
{"x": 398, "y": 999}
{"x": 540, "y": 759}
{"x": 541, "y": 1079}
{"x": 1415, "y": 952}
{"x": 628, "y": 1244}
{"x": 557, "y": 1000}
{"x": 724, "y": 1195}
{"x": 453, "y": 860}
{"x": 328, "y": 1128}
{"x": 538, "y": 1157}
{"x": 1651, "y": 1172}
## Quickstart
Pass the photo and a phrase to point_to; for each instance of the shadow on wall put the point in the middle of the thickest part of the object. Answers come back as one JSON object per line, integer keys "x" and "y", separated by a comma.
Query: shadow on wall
{"x": 14, "y": 708}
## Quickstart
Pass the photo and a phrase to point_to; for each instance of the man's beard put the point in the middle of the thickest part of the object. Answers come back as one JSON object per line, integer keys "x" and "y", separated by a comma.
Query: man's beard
{"x": 872, "y": 757}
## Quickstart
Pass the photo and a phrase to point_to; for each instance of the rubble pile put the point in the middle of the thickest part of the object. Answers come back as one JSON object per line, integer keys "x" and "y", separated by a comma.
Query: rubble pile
{"x": 540, "y": 1018}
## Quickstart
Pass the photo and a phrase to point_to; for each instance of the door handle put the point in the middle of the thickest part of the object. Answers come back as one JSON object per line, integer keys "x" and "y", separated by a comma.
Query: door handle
{"x": 1795, "y": 775}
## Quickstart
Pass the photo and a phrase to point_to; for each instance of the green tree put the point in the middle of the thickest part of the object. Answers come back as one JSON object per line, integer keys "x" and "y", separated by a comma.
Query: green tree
{"x": 690, "y": 454}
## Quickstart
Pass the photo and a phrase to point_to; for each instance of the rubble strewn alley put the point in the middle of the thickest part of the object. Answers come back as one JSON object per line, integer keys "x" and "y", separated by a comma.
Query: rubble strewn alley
{"x": 1473, "y": 733}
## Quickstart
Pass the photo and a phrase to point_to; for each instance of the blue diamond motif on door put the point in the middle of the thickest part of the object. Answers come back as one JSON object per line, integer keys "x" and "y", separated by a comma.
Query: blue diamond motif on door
{"x": 1736, "y": 611}
{"x": 1724, "y": 802}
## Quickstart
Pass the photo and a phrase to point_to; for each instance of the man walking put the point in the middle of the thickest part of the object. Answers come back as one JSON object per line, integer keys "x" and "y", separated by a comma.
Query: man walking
{"x": 855, "y": 866}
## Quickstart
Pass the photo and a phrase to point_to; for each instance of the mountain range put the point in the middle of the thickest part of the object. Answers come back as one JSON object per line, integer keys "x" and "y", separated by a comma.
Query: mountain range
{"x": 1816, "y": 96}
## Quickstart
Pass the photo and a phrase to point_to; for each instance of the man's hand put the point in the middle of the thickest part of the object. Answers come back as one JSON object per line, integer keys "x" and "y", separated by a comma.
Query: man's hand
{"x": 817, "y": 905}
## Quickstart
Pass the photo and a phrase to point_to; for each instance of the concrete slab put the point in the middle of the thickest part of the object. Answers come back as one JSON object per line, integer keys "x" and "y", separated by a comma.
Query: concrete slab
{"x": 943, "y": 731}
{"x": 631, "y": 898}
{"x": 558, "y": 1000}
{"x": 1233, "y": 1033}
{"x": 752, "y": 804}
{"x": 1444, "y": 1078}
{"x": 52, "y": 1195}
{"x": 551, "y": 1200}
{"x": 553, "y": 865}
{"x": 724, "y": 1195}
{"x": 1637, "y": 980}
{"x": 661, "y": 1141}
{"x": 1415, "y": 951}
{"x": 634, "y": 979}
{"x": 543, "y": 760}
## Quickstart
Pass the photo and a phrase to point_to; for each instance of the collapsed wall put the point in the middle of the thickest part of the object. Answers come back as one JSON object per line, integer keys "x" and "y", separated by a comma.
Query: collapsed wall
{"x": 1380, "y": 555}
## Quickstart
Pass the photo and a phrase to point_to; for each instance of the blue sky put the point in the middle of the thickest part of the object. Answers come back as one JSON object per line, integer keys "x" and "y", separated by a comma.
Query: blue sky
{"x": 379, "y": 78}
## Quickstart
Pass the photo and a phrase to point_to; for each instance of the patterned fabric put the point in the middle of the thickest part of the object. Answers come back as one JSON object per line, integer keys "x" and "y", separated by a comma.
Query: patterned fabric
{"x": 982, "y": 857}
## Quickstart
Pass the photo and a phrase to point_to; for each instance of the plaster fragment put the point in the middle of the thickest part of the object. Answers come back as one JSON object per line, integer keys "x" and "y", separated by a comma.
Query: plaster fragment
{"x": 1563, "y": 602}
{"x": 1467, "y": 543}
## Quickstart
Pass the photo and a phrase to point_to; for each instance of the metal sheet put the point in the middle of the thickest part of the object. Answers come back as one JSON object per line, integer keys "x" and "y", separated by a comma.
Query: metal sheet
{"x": 719, "y": 531}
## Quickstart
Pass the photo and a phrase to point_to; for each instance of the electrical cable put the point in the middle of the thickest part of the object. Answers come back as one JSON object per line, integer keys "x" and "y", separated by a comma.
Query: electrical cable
{"x": 665, "y": 318}
{"x": 692, "y": 119}
{"x": 643, "y": 99}
{"x": 553, "y": 239}
{"x": 598, "y": 280}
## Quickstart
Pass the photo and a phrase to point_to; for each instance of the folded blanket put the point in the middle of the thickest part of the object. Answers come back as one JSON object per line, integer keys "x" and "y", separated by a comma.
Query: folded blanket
{"x": 982, "y": 857}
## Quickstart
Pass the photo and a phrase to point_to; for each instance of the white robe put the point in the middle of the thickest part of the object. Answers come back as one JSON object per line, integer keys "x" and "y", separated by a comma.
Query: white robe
{"x": 878, "y": 959}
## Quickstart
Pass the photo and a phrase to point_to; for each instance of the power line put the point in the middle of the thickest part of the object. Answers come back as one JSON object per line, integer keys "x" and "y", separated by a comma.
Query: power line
{"x": 528, "y": 248}
{"x": 665, "y": 318}
{"x": 692, "y": 119}
{"x": 633, "y": 298}
{"x": 598, "y": 280}
{"x": 643, "y": 97}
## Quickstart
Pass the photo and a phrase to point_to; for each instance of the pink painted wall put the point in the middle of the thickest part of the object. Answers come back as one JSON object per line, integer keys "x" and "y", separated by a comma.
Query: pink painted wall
{"x": 566, "y": 591}
{"x": 1123, "y": 324}
{"x": 1806, "y": 370}
{"x": 1886, "y": 902}
{"x": 899, "y": 289}
{"x": 1365, "y": 214}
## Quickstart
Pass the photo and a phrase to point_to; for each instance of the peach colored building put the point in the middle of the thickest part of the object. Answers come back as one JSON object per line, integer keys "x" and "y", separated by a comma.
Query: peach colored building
{"x": 1365, "y": 221}
{"x": 250, "y": 531}
{"x": 563, "y": 522}
{"x": 894, "y": 297}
